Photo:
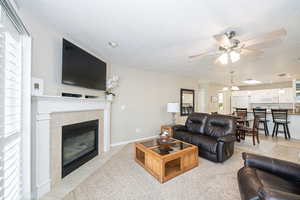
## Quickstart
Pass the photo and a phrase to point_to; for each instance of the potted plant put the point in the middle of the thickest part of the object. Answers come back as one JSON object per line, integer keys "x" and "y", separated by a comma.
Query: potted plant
{"x": 112, "y": 83}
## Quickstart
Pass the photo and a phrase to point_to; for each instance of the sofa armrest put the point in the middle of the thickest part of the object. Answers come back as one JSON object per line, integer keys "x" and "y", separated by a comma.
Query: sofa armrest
{"x": 179, "y": 128}
{"x": 284, "y": 169}
{"x": 227, "y": 138}
{"x": 270, "y": 194}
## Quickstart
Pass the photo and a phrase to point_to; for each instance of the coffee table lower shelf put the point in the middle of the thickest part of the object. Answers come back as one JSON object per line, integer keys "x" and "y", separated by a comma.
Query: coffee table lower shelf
{"x": 165, "y": 167}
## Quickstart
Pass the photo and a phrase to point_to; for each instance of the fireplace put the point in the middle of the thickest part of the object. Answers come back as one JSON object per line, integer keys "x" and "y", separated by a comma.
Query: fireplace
{"x": 79, "y": 145}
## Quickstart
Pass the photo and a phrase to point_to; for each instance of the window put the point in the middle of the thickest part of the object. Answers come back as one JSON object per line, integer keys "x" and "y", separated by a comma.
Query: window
{"x": 14, "y": 104}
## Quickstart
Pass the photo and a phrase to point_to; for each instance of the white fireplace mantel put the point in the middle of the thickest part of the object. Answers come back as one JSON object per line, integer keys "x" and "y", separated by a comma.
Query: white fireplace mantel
{"x": 42, "y": 107}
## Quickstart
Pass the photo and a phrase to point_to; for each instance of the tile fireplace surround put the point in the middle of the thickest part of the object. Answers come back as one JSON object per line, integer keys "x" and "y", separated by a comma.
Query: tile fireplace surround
{"x": 49, "y": 114}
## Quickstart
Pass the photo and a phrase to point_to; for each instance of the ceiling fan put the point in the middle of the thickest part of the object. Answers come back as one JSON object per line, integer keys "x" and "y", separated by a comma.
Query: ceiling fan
{"x": 230, "y": 48}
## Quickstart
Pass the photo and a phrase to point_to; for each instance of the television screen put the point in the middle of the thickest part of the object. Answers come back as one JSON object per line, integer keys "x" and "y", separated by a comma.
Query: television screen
{"x": 80, "y": 68}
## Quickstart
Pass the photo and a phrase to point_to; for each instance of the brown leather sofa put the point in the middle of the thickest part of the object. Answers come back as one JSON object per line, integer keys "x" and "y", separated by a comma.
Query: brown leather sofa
{"x": 266, "y": 178}
{"x": 213, "y": 134}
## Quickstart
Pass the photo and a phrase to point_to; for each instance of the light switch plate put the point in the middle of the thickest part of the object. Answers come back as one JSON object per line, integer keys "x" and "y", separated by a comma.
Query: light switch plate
{"x": 137, "y": 130}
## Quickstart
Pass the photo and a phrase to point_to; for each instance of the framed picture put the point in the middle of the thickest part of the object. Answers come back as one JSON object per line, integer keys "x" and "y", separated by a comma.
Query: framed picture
{"x": 214, "y": 99}
{"x": 187, "y": 102}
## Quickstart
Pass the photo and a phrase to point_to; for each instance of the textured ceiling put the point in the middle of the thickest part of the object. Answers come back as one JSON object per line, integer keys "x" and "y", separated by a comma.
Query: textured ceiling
{"x": 160, "y": 35}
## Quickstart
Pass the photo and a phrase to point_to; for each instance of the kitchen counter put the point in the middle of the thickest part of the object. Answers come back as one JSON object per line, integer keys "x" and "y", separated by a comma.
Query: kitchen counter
{"x": 294, "y": 124}
{"x": 290, "y": 113}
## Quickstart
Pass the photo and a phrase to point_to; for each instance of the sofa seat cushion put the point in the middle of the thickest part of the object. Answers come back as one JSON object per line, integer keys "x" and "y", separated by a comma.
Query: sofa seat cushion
{"x": 205, "y": 143}
{"x": 183, "y": 136}
{"x": 276, "y": 183}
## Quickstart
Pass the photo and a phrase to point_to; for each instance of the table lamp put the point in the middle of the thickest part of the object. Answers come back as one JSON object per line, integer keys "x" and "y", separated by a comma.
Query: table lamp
{"x": 173, "y": 108}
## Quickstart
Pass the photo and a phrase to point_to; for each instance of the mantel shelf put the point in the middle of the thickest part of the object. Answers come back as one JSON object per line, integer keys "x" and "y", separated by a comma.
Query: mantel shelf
{"x": 61, "y": 98}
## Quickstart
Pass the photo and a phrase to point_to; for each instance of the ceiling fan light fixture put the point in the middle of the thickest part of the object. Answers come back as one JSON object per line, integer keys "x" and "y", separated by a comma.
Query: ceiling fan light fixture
{"x": 252, "y": 81}
{"x": 234, "y": 56}
{"x": 235, "y": 88}
{"x": 225, "y": 89}
{"x": 224, "y": 58}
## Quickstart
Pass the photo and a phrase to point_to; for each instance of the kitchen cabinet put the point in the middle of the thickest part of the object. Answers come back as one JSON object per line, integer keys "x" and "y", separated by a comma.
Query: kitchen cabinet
{"x": 296, "y": 91}
{"x": 264, "y": 96}
{"x": 267, "y": 96}
{"x": 240, "y": 101}
{"x": 286, "y": 95}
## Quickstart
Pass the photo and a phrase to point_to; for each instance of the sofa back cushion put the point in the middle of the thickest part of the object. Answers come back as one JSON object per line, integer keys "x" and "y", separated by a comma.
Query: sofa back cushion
{"x": 219, "y": 125}
{"x": 196, "y": 122}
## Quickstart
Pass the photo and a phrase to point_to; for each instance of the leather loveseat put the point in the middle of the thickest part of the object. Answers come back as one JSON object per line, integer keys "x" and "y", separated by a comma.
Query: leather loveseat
{"x": 213, "y": 134}
{"x": 265, "y": 178}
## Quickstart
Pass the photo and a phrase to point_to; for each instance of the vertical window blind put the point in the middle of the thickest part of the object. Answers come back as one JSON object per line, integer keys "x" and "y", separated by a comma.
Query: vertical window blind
{"x": 11, "y": 109}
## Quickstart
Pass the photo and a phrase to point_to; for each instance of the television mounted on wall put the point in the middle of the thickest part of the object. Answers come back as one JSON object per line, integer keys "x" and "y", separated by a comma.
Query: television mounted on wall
{"x": 80, "y": 68}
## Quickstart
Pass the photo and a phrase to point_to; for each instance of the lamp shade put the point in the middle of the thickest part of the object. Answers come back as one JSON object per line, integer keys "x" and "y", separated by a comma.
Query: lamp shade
{"x": 173, "y": 107}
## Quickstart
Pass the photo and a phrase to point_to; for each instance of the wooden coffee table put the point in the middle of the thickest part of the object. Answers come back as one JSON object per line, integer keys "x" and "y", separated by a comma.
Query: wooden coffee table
{"x": 164, "y": 165}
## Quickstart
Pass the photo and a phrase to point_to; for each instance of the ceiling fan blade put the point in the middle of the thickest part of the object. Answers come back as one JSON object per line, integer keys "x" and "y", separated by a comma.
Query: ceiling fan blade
{"x": 251, "y": 52}
{"x": 266, "y": 44}
{"x": 222, "y": 40}
{"x": 265, "y": 37}
{"x": 219, "y": 37}
{"x": 207, "y": 53}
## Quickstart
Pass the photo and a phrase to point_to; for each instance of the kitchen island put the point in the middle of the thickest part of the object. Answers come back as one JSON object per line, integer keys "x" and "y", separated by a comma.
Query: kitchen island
{"x": 294, "y": 125}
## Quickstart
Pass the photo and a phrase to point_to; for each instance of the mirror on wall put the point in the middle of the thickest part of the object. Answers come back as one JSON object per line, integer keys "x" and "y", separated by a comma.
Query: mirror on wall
{"x": 187, "y": 102}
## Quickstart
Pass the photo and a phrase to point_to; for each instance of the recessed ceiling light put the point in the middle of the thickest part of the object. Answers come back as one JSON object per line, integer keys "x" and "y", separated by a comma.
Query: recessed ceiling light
{"x": 251, "y": 81}
{"x": 113, "y": 44}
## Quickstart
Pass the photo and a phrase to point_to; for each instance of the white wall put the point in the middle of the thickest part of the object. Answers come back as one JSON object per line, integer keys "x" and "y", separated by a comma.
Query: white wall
{"x": 210, "y": 93}
{"x": 47, "y": 57}
{"x": 140, "y": 106}
{"x": 144, "y": 94}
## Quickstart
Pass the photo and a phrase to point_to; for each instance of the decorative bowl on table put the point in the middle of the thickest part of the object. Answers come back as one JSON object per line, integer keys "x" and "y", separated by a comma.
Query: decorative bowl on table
{"x": 165, "y": 144}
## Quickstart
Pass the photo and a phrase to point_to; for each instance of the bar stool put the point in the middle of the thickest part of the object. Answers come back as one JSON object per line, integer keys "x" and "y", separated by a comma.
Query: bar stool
{"x": 280, "y": 117}
{"x": 242, "y": 113}
{"x": 262, "y": 114}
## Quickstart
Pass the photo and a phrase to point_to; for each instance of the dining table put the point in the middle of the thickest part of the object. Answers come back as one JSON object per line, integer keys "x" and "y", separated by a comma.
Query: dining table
{"x": 240, "y": 122}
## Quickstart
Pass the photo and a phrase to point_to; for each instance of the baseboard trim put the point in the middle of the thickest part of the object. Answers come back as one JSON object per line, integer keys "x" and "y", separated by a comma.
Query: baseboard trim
{"x": 41, "y": 189}
{"x": 131, "y": 141}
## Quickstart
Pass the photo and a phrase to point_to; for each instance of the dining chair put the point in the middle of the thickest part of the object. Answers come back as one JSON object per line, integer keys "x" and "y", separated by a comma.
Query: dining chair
{"x": 242, "y": 113}
{"x": 246, "y": 131}
{"x": 262, "y": 114}
{"x": 280, "y": 117}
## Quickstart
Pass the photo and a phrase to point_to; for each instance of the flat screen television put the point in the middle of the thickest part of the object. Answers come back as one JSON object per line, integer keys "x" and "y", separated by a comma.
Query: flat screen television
{"x": 79, "y": 68}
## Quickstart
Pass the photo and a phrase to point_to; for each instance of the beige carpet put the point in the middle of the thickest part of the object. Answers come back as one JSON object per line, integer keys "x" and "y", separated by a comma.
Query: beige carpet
{"x": 122, "y": 178}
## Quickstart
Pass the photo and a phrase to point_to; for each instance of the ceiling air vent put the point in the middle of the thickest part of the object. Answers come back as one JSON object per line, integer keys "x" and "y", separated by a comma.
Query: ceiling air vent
{"x": 282, "y": 75}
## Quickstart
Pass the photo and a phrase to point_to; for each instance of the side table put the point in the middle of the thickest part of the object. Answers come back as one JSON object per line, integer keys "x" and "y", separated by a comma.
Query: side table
{"x": 167, "y": 128}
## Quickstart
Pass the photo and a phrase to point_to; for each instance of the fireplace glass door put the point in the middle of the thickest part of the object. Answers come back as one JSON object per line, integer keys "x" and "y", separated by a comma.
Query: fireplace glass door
{"x": 79, "y": 145}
